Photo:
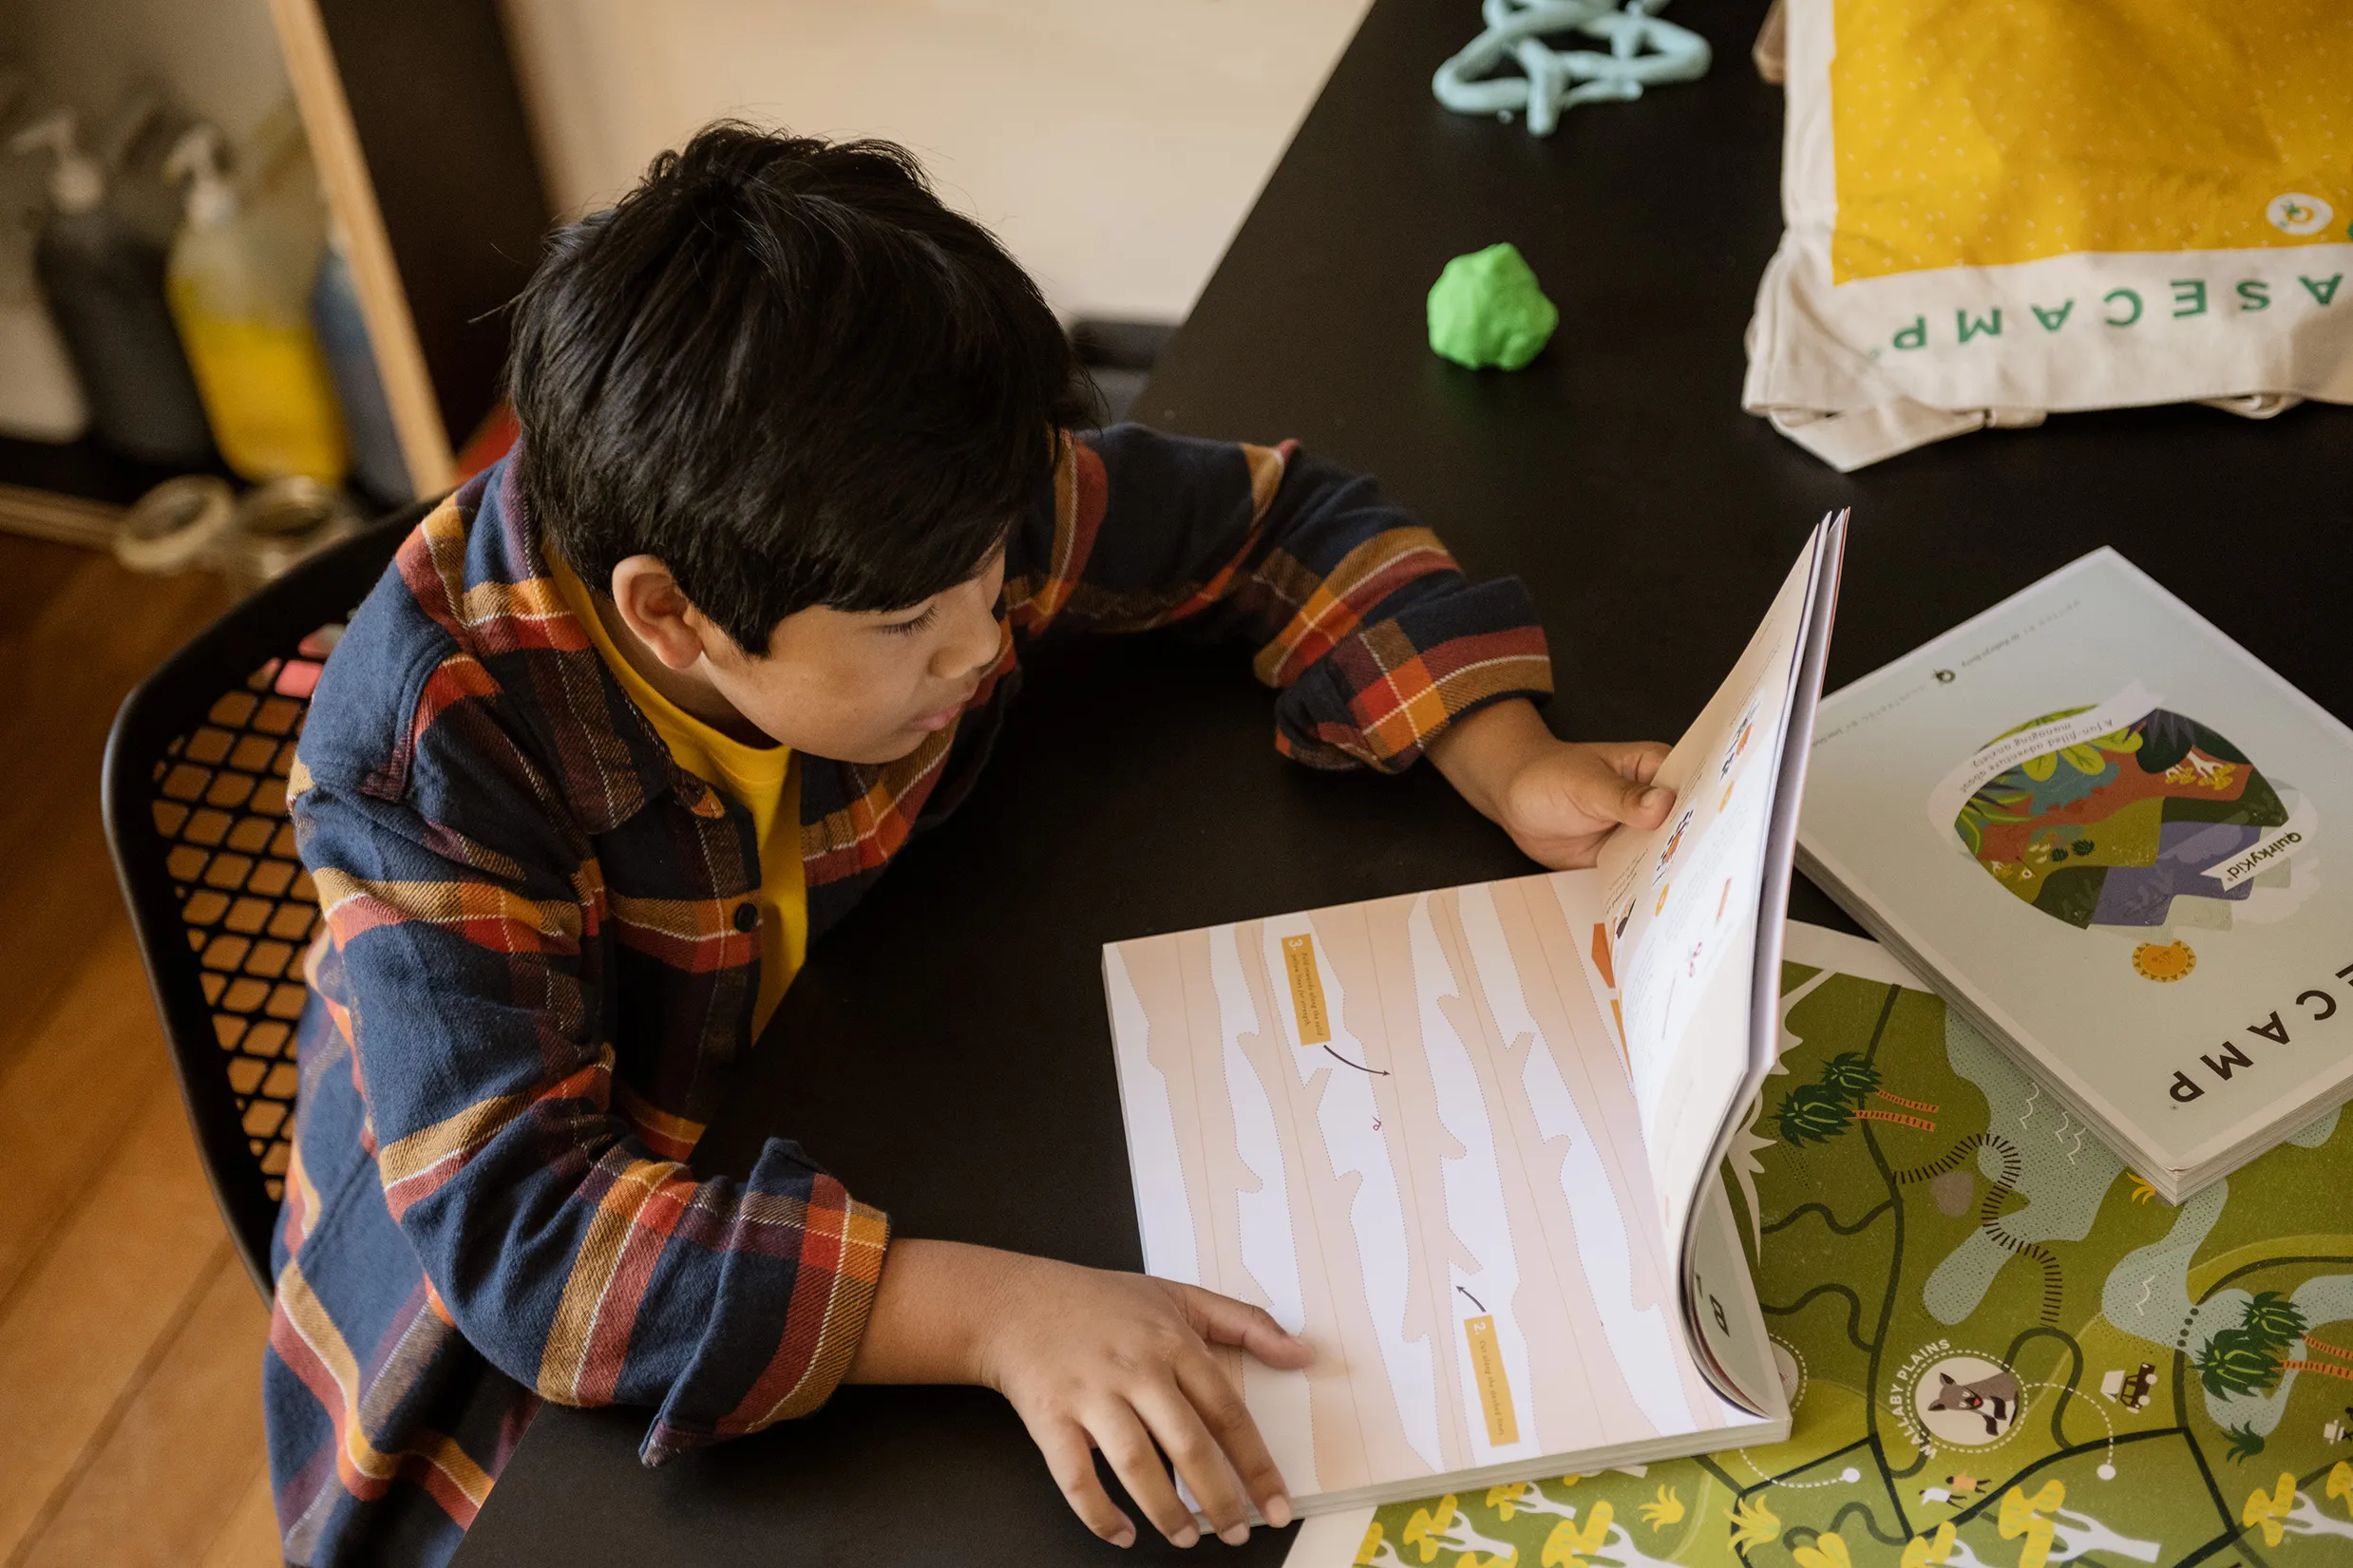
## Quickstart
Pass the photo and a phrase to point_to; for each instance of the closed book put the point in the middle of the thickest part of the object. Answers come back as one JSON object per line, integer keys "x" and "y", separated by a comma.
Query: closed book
{"x": 2103, "y": 831}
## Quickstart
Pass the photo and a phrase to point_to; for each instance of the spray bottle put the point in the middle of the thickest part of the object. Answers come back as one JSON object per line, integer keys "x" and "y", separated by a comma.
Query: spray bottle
{"x": 377, "y": 465}
{"x": 104, "y": 286}
{"x": 40, "y": 396}
{"x": 240, "y": 289}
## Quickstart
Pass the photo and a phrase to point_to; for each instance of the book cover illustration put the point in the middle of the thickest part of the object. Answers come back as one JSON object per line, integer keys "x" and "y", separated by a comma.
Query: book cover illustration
{"x": 2000, "y": 1345}
{"x": 2155, "y": 829}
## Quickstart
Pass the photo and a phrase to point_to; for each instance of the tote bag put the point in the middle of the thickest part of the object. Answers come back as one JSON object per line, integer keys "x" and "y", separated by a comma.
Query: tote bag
{"x": 2001, "y": 209}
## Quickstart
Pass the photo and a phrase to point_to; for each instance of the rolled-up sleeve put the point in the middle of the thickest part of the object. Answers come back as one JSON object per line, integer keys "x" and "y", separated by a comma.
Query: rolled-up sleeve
{"x": 1357, "y": 614}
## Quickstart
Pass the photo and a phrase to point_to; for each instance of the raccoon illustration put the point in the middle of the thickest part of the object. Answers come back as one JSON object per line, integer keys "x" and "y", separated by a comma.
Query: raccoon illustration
{"x": 1993, "y": 1399}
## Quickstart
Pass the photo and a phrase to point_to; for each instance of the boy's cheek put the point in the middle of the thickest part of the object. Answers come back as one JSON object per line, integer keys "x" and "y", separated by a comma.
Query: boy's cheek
{"x": 847, "y": 715}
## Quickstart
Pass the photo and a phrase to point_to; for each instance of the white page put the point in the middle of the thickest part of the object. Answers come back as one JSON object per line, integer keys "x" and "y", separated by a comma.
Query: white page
{"x": 1683, "y": 898}
{"x": 1402, "y": 1127}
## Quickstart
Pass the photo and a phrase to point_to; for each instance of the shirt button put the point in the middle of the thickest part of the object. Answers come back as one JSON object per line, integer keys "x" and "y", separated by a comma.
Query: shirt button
{"x": 747, "y": 915}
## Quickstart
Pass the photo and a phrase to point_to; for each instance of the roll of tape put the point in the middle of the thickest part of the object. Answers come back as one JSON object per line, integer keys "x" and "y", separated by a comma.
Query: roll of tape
{"x": 281, "y": 521}
{"x": 287, "y": 508}
{"x": 178, "y": 524}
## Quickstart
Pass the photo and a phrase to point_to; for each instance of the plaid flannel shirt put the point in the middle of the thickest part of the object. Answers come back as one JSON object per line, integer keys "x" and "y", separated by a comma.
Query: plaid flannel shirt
{"x": 541, "y": 959}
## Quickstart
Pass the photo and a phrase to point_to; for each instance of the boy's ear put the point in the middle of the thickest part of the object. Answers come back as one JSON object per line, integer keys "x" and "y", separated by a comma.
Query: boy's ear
{"x": 658, "y": 613}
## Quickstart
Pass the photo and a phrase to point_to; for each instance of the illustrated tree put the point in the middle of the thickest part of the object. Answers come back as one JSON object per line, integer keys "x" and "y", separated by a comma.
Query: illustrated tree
{"x": 1815, "y": 1113}
{"x": 1753, "y": 1524}
{"x": 2246, "y": 1443}
{"x": 2234, "y": 1362}
{"x": 1811, "y": 1114}
{"x": 2274, "y": 1321}
{"x": 1850, "y": 1076}
{"x": 1570, "y": 1543}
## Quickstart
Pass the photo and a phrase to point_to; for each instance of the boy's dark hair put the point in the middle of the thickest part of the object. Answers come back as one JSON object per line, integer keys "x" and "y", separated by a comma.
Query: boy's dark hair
{"x": 782, "y": 367}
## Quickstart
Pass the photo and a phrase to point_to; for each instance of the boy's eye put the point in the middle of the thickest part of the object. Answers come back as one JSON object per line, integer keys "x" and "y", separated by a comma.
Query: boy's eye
{"x": 910, "y": 626}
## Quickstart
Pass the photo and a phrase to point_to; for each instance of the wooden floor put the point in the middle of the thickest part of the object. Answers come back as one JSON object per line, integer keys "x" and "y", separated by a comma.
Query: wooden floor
{"x": 130, "y": 1338}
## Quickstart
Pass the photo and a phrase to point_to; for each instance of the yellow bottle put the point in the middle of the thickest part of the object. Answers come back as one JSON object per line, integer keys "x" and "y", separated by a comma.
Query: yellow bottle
{"x": 240, "y": 289}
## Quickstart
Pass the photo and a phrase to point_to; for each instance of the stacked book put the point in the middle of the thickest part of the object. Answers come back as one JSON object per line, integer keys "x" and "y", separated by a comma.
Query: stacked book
{"x": 2100, "y": 828}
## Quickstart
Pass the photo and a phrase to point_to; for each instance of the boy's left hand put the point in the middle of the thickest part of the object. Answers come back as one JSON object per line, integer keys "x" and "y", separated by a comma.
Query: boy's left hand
{"x": 1559, "y": 800}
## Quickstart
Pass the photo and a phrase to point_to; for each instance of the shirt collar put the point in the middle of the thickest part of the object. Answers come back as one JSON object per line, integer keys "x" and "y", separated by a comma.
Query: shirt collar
{"x": 612, "y": 761}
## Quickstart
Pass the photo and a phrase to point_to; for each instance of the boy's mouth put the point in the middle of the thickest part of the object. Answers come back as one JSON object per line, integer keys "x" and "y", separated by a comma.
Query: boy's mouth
{"x": 931, "y": 723}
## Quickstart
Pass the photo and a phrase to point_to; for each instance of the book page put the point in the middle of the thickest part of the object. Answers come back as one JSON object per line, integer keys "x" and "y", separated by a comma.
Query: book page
{"x": 1681, "y": 933}
{"x": 1403, "y": 1128}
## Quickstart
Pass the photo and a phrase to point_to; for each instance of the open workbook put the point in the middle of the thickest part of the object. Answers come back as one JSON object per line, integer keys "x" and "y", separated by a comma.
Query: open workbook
{"x": 1467, "y": 1143}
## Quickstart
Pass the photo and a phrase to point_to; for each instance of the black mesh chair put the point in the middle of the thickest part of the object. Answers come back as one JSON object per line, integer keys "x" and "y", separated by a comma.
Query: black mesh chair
{"x": 195, "y": 800}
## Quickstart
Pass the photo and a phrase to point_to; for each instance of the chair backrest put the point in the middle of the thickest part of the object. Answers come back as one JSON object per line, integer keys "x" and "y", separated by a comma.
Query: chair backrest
{"x": 195, "y": 800}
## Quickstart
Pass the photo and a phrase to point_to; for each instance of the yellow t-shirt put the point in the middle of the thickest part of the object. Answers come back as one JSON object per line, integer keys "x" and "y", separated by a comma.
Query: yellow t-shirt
{"x": 764, "y": 779}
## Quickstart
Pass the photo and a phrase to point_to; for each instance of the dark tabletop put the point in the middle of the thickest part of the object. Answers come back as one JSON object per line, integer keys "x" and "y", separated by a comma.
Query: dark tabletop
{"x": 946, "y": 1053}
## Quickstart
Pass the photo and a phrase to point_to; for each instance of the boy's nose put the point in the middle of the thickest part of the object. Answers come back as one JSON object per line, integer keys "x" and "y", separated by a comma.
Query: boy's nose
{"x": 971, "y": 645}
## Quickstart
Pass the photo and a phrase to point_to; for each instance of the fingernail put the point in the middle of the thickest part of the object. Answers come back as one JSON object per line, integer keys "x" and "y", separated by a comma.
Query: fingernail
{"x": 1124, "y": 1537}
{"x": 1278, "y": 1510}
{"x": 1654, "y": 796}
{"x": 1234, "y": 1535}
{"x": 1185, "y": 1536}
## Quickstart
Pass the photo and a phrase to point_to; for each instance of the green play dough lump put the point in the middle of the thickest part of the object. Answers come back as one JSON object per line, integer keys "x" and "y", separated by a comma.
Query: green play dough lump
{"x": 1486, "y": 309}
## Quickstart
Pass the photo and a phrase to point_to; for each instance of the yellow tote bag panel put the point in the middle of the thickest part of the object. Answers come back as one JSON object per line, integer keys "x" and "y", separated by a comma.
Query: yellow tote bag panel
{"x": 1995, "y": 210}
{"x": 1985, "y": 132}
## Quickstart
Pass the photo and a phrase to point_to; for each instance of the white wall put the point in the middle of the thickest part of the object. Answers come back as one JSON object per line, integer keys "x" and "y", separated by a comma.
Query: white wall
{"x": 217, "y": 58}
{"x": 1115, "y": 145}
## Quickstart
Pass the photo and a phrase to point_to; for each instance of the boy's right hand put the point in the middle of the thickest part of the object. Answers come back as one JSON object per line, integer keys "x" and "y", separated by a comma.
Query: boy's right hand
{"x": 1120, "y": 1362}
{"x": 1092, "y": 1359}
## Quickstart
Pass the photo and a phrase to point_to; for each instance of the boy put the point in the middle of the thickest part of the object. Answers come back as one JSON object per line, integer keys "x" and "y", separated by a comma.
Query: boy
{"x": 644, "y": 709}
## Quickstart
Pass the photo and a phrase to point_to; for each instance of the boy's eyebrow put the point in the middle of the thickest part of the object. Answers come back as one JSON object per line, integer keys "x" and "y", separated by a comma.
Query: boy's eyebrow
{"x": 911, "y": 612}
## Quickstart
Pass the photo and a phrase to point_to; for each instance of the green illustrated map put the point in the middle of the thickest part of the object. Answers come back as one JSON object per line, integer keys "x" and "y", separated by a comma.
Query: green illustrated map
{"x": 2000, "y": 1347}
